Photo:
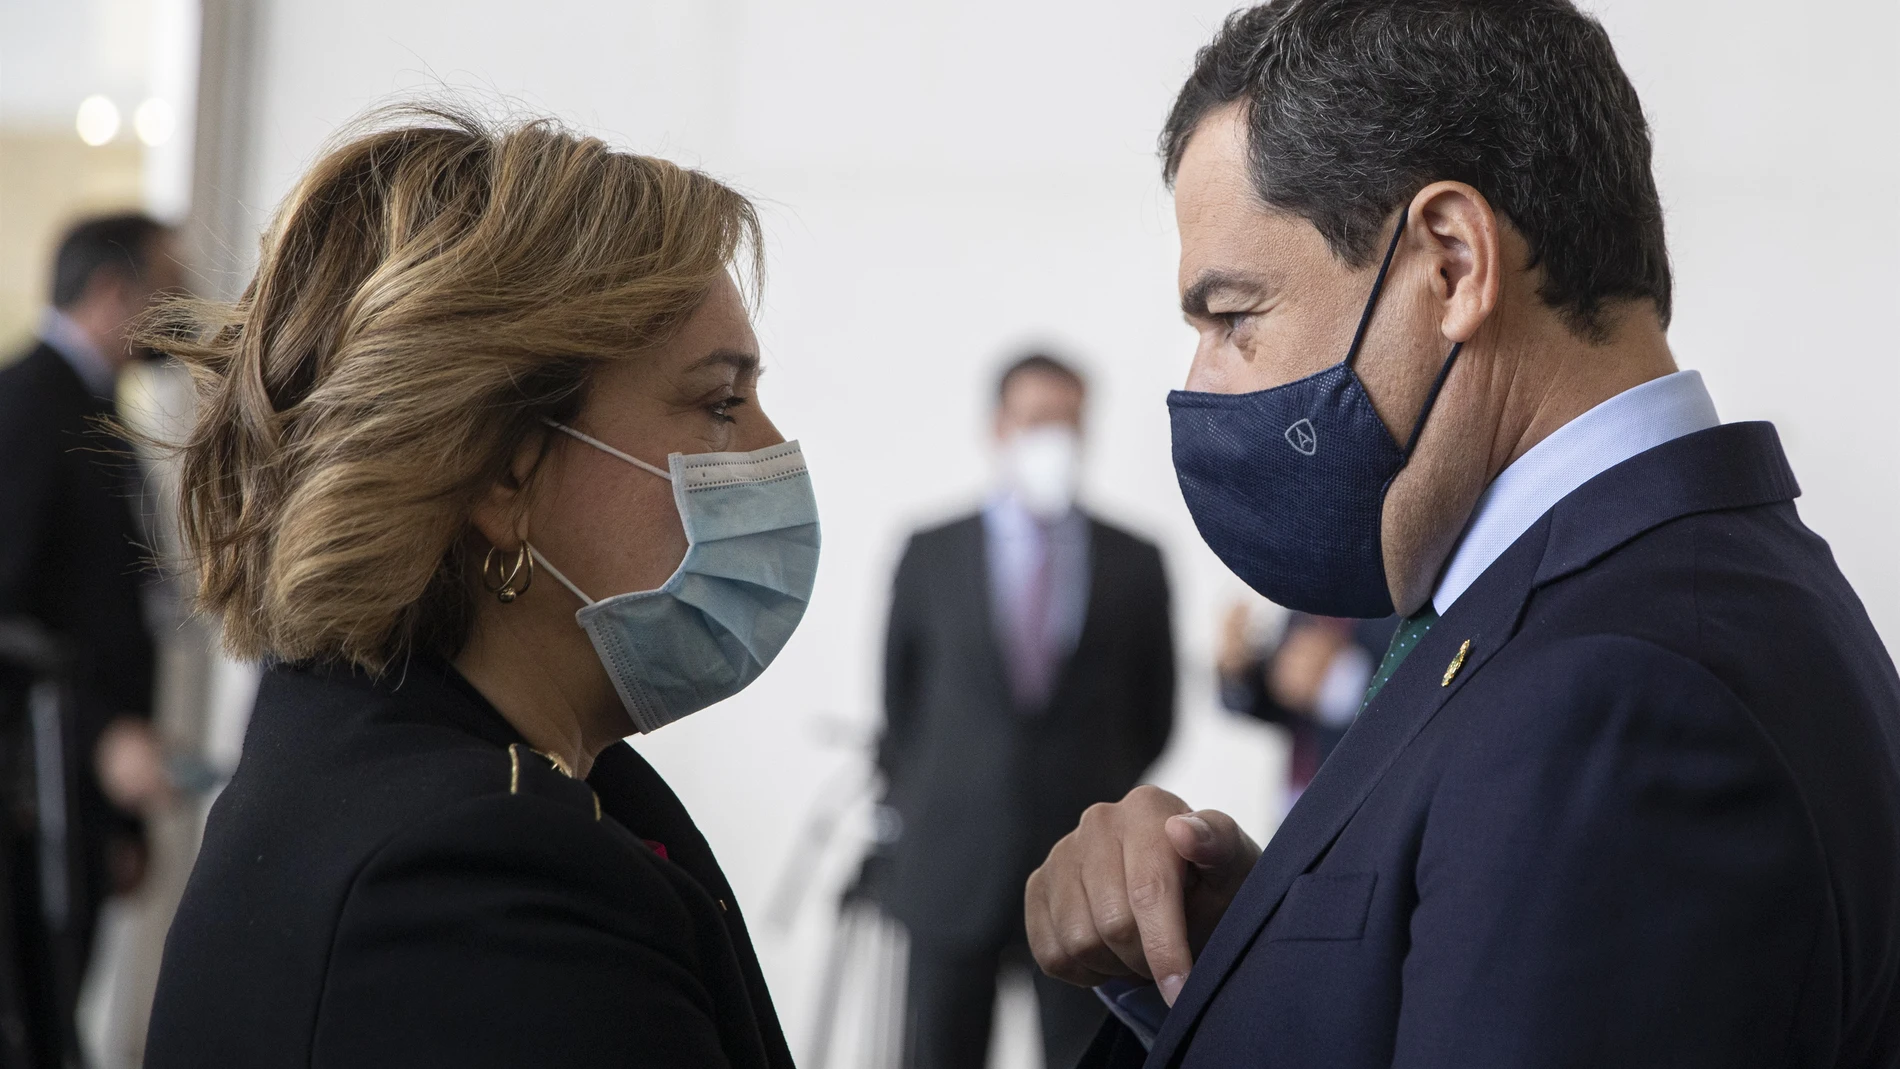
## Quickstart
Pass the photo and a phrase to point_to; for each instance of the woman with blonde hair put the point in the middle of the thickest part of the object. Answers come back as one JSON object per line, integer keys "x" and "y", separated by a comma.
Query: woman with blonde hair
{"x": 481, "y": 475}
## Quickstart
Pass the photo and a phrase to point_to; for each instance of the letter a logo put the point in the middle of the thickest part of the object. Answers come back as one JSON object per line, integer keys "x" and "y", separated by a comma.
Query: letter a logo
{"x": 1303, "y": 438}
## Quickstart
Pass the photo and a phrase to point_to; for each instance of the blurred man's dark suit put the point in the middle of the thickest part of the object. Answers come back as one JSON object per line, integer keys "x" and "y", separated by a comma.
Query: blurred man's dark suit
{"x": 71, "y": 560}
{"x": 1634, "y": 800}
{"x": 984, "y": 786}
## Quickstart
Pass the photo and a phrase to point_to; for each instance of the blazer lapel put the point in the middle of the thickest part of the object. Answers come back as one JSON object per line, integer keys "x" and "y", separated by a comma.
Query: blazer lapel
{"x": 1485, "y": 616}
{"x": 972, "y": 584}
{"x": 1093, "y": 610}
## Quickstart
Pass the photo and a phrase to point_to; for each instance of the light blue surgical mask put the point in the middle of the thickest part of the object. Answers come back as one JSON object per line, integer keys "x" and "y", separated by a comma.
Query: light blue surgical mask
{"x": 751, "y": 559}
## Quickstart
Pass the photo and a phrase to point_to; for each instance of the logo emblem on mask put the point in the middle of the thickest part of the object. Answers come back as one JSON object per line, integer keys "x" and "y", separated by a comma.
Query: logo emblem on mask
{"x": 1303, "y": 438}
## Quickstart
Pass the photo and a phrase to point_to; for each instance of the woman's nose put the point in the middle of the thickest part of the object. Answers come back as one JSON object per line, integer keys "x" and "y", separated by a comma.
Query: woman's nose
{"x": 756, "y": 433}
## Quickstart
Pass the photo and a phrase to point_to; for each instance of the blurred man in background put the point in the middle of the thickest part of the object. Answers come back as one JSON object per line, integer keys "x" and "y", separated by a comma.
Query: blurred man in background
{"x": 73, "y": 568}
{"x": 1311, "y": 681}
{"x": 1029, "y": 673}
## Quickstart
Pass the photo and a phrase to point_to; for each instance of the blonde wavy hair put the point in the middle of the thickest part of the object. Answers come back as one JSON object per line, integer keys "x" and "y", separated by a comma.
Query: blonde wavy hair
{"x": 432, "y": 288}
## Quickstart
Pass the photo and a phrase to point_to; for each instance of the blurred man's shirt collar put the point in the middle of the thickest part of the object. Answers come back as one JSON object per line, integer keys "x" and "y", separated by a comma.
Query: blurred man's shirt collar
{"x": 1005, "y": 507}
{"x": 1634, "y": 421}
{"x": 69, "y": 340}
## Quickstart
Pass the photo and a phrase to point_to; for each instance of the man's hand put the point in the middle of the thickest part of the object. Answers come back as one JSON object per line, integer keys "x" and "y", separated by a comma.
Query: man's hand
{"x": 130, "y": 764}
{"x": 1299, "y": 667}
{"x": 1235, "y": 653}
{"x": 1135, "y": 890}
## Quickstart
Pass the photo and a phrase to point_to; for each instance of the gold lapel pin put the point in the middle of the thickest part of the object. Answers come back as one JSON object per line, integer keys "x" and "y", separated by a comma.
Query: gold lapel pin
{"x": 1451, "y": 670}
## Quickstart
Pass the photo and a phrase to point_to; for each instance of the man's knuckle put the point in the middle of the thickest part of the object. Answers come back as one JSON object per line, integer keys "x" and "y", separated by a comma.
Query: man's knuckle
{"x": 1078, "y": 938}
{"x": 1117, "y": 924}
{"x": 1149, "y": 893}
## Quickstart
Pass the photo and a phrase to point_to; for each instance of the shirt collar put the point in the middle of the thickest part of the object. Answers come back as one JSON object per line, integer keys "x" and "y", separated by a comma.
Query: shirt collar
{"x": 1632, "y": 422}
{"x": 69, "y": 340}
{"x": 1005, "y": 514}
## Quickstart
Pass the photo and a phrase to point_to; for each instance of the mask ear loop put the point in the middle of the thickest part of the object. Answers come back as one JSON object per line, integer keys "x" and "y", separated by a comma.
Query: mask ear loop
{"x": 556, "y": 573}
{"x": 1378, "y": 286}
{"x": 1431, "y": 399}
{"x": 1365, "y": 321}
{"x": 609, "y": 450}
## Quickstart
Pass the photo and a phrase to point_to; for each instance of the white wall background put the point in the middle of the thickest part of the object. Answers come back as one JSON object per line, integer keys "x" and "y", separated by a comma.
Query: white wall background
{"x": 946, "y": 181}
{"x": 55, "y": 53}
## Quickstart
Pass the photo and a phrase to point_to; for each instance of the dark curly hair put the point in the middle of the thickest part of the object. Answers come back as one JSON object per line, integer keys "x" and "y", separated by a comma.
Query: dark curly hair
{"x": 1352, "y": 106}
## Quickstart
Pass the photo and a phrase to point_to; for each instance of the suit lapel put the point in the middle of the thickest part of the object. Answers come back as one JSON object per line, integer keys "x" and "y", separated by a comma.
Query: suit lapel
{"x": 1093, "y": 610}
{"x": 1733, "y": 466}
{"x": 1486, "y": 617}
{"x": 971, "y": 583}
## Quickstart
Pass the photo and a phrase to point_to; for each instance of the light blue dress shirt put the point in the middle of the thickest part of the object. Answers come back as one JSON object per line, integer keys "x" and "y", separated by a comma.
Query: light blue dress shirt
{"x": 1011, "y": 543}
{"x": 1634, "y": 421}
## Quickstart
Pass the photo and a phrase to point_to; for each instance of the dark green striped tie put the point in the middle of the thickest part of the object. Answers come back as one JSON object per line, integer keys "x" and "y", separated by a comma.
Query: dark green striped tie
{"x": 1411, "y": 631}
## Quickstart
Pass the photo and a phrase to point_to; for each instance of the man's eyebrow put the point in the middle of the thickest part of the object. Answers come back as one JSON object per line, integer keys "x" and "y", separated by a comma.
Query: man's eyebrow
{"x": 1194, "y": 298}
{"x": 743, "y": 362}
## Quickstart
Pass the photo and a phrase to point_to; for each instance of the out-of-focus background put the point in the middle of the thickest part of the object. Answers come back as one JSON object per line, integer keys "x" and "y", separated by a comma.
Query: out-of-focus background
{"x": 943, "y": 185}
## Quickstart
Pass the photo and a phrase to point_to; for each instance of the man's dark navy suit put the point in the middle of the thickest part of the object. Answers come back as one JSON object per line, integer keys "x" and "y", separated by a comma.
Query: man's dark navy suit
{"x": 1652, "y": 818}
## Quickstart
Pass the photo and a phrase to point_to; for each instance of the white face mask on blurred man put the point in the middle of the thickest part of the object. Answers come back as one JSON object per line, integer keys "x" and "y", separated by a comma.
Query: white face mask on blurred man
{"x": 1039, "y": 436}
{"x": 1043, "y": 466}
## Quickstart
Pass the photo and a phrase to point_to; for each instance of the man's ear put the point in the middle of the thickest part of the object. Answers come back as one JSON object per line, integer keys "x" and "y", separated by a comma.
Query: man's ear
{"x": 1460, "y": 233}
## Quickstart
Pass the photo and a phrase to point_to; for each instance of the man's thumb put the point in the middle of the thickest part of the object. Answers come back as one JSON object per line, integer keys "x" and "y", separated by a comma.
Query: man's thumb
{"x": 1206, "y": 838}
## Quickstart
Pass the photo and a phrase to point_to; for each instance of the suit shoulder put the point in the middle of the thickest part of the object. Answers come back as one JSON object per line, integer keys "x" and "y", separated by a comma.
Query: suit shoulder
{"x": 950, "y": 530}
{"x": 1109, "y": 534}
{"x": 1612, "y": 723}
{"x": 39, "y": 372}
{"x": 1128, "y": 551}
{"x": 948, "y": 537}
{"x": 29, "y": 392}
{"x": 1563, "y": 693}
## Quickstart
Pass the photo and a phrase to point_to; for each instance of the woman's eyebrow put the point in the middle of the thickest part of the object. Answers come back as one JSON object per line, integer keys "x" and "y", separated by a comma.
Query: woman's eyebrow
{"x": 744, "y": 363}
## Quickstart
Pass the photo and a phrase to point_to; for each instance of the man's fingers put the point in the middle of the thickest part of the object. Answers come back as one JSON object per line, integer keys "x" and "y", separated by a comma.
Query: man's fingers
{"x": 1111, "y": 900}
{"x": 1209, "y": 840}
{"x": 1115, "y": 922}
{"x": 1160, "y": 912}
{"x": 1066, "y": 951}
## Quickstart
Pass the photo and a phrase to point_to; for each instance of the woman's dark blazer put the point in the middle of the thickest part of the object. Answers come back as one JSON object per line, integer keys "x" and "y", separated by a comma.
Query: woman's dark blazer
{"x": 393, "y": 878}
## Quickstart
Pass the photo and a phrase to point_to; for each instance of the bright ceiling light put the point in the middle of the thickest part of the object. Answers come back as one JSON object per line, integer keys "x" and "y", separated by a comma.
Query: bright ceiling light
{"x": 154, "y": 121}
{"x": 98, "y": 120}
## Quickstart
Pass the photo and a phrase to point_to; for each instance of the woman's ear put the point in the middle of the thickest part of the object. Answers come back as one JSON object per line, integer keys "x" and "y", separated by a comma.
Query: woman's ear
{"x": 1461, "y": 235}
{"x": 501, "y": 515}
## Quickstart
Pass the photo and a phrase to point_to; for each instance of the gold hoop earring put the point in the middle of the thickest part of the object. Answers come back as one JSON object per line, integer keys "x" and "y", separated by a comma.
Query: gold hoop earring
{"x": 503, "y": 586}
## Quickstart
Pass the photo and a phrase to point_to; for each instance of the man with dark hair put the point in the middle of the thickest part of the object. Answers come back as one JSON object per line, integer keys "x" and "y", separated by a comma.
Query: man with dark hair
{"x": 1626, "y": 787}
{"x": 1029, "y": 673}
{"x": 72, "y": 566}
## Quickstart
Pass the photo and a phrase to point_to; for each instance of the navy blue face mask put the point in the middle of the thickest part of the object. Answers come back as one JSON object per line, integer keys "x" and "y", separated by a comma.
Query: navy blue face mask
{"x": 1288, "y": 485}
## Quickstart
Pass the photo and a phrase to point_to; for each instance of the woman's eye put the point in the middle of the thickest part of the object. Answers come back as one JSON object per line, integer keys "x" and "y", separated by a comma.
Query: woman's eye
{"x": 722, "y": 410}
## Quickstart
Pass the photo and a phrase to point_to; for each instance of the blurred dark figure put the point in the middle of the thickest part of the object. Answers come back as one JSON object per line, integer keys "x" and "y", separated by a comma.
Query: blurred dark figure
{"x": 1029, "y": 673}
{"x": 1312, "y": 682}
{"x": 72, "y": 566}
